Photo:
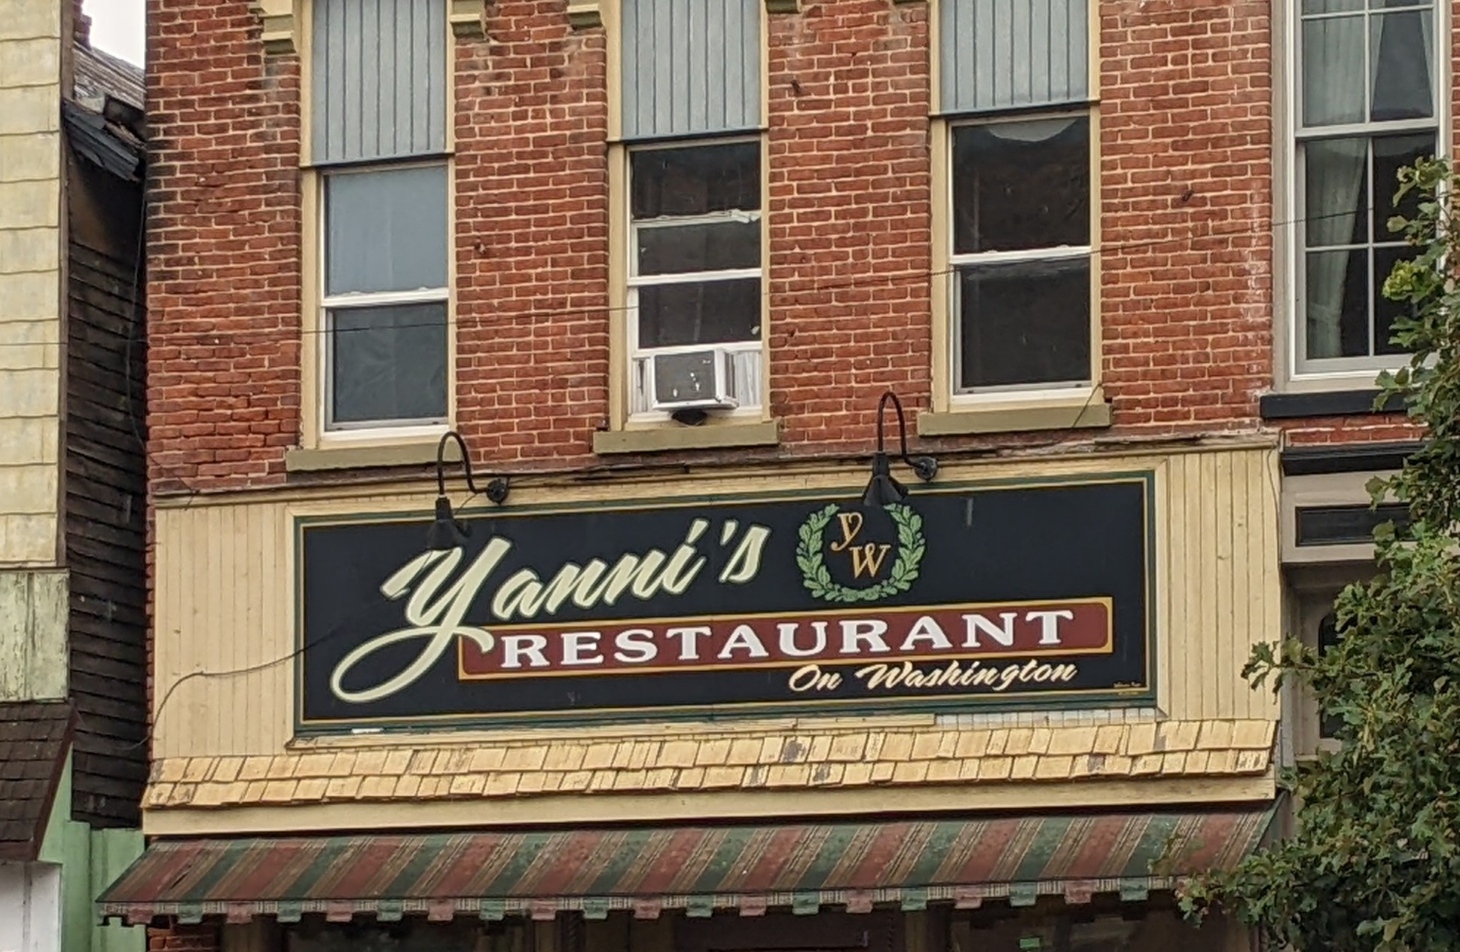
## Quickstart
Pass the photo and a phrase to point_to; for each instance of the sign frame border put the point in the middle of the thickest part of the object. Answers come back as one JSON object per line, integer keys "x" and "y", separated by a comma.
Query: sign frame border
{"x": 1145, "y": 696}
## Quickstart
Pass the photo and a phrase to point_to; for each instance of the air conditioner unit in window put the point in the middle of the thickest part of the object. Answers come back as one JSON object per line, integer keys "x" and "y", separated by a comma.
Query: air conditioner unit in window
{"x": 693, "y": 380}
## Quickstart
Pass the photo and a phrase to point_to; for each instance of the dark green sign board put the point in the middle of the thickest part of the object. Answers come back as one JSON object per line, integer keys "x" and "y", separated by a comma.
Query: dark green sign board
{"x": 966, "y": 597}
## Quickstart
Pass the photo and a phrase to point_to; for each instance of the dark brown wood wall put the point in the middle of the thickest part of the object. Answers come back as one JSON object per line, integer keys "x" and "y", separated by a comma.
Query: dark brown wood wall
{"x": 105, "y": 495}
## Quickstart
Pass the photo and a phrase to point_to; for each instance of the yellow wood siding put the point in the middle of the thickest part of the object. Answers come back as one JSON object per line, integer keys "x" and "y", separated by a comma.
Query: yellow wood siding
{"x": 225, "y": 590}
{"x": 30, "y": 279}
{"x": 1220, "y": 593}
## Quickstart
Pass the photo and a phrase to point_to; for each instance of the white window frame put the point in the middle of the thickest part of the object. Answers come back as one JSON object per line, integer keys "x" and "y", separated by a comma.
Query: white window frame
{"x": 640, "y": 358}
{"x": 327, "y": 304}
{"x": 960, "y": 397}
{"x": 1341, "y": 372}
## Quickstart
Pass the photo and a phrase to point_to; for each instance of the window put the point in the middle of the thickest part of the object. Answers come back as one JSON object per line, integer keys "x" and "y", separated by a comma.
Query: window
{"x": 1021, "y": 254}
{"x": 695, "y": 276}
{"x": 407, "y": 935}
{"x": 378, "y": 139}
{"x": 1366, "y": 108}
{"x": 1328, "y": 637}
{"x": 689, "y": 114}
{"x": 1018, "y": 302}
{"x": 1314, "y": 622}
{"x": 385, "y": 296}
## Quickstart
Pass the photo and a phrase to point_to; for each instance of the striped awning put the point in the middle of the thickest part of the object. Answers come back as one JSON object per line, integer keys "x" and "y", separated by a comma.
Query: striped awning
{"x": 699, "y": 869}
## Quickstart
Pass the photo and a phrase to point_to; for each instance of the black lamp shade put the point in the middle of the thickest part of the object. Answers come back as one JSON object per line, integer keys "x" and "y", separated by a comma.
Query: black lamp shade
{"x": 882, "y": 489}
{"x": 445, "y": 533}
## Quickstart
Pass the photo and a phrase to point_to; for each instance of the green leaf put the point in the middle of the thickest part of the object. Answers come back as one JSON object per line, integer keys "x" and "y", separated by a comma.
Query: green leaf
{"x": 1371, "y": 862}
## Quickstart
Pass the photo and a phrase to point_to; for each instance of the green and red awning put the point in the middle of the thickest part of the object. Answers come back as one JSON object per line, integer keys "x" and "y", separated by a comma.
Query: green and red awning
{"x": 698, "y": 869}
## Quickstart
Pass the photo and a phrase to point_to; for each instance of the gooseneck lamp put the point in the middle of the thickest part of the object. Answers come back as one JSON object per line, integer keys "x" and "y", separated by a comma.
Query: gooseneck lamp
{"x": 883, "y": 489}
{"x": 447, "y": 532}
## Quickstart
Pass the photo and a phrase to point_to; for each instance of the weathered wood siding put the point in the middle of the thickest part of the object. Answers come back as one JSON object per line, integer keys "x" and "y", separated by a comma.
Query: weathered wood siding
{"x": 105, "y": 502}
{"x": 33, "y": 606}
{"x": 225, "y": 595}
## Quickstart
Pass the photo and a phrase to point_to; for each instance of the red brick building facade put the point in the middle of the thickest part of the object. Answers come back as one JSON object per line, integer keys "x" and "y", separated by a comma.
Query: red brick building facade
{"x": 1184, "y": 170}
{"x": 1075, "y": 240}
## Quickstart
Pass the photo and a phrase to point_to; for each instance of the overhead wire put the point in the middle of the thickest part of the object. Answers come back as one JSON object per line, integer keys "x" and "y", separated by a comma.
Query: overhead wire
{"x": 801, "y": 287}
{"x": 857, "y": 282}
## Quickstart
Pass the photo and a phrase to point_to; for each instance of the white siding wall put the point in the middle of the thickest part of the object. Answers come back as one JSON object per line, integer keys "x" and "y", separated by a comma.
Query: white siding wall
{"x": 30, "y": 907}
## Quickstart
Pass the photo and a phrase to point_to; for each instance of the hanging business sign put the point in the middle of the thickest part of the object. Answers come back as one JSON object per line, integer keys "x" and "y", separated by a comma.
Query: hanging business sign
{"x": 963, "y": 597}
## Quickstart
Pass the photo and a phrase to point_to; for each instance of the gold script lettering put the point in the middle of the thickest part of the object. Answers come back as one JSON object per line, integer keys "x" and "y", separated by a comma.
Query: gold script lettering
{"x": 868, "y": 558}
{"x": 439, "y": 622}
{"x": 851, "y": 523}
{"x": 811, "y": 678}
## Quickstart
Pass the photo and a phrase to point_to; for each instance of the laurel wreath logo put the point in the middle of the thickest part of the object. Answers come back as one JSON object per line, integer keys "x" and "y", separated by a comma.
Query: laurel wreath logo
{"x": 811, "y": 557}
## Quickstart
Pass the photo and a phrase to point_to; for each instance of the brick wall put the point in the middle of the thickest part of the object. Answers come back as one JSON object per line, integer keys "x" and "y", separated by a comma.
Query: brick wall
{"x": 223, "y": 246}
{"x": 1185, "y": 184}
{"x": 532, "y": 235}
{"x": 80, "y": 23}
{"x": 1186, "y": 142}
{"x": 849, "y": 217}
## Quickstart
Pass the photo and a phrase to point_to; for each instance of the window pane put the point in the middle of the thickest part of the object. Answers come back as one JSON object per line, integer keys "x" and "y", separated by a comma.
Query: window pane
{"x": 1401, "y": 48}
{"x": 680, "y": 249}
{"x": 699, "y": 312}
{"x": 1333, "y": 81}
{"x": 1386, "y": 312}
{"x": 388, "y": 363}
{"x": 385, "y": 230}
{"x": 696, "y": 180}
{"x": 1336, "y": 191}
{"x": 1337, "y": 304}
{"x": 1021, "y": 185}
{"x": 1331, "y": 6}
{"x": 1392, "y": 153}
{"x": 1329, "y": 636}
{"x": 1026, "y": 323}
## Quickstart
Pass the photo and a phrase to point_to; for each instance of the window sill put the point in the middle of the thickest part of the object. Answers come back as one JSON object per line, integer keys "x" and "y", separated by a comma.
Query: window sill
{"x": 1062, "y": 414}
{"x": 662, "y": 439}
{"x": 370, "y": 456}
{"x": 1329, "y": 403}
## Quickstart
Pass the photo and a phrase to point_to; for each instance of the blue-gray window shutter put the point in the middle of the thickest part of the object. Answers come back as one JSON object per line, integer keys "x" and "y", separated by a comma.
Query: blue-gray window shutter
{"x": 379, "y": 79}
{"x": 1011, "y": 54}
{"x": 690, "y": 67}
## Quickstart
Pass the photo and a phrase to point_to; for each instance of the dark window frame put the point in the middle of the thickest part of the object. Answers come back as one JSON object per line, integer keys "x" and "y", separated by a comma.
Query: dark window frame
{"x": 1035, "y": 368}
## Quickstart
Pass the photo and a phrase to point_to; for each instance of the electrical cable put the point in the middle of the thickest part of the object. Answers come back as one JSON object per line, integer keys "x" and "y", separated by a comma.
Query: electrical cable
{"x": 816, "y": 288}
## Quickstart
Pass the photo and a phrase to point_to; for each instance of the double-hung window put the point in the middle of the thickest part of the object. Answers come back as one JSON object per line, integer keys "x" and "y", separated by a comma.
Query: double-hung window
{"x": 1015, "y": 90}
{"x": 378, "y": 117}
{"x": 1021, "y": 254}
{"x": 695, "y": 282}
{"x": 693, "y": 334}
{"x": 1367, "y": 105}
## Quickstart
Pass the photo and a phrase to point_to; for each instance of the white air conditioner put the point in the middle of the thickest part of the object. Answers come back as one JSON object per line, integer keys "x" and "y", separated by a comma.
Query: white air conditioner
{"x": 692, "y": 380}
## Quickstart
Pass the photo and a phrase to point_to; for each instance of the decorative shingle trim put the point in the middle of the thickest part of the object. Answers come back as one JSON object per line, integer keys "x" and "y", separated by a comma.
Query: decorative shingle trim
{"x": 585, "y": 14}
{"x": 468, "y": 19}
{"x": 774, "y": 760}
{"x": 279, "y": 23}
